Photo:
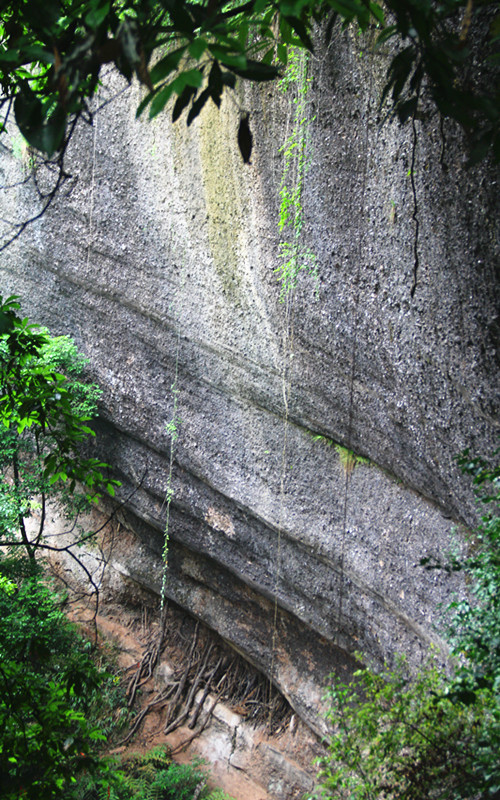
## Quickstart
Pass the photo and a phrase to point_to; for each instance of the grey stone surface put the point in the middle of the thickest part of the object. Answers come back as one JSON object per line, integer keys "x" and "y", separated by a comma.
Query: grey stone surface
{"x": 162, "y": 259}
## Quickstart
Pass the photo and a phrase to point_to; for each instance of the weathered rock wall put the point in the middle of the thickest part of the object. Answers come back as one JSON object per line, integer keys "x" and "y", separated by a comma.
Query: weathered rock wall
{"x": 161, "y": 263}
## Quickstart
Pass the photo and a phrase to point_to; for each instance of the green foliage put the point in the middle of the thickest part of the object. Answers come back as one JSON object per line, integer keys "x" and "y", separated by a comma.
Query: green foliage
{"x": 31, "y": 624}
{"x": 51, "y": 59}
{"x": 475, "y": 627}
{"x": 7, "y": 586}
{"x": 179, "y": 782}
{"x": 153, "y": 776}
{"x": 294, "y": 257}
{"x": 60, "y": 354}
{"x": 183, "y": 782}
{"x": 405, "y": 739}
{"x": 47, "y": 681}
{"x": 434, "y": 736}
{"x": 44, "y": 409}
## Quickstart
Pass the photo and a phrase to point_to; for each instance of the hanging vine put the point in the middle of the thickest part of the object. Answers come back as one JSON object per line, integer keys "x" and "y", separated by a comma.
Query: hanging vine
{"x": 286, "y": 381}
{"x": 172, "y": 428}
{"x": 294, "y": 256}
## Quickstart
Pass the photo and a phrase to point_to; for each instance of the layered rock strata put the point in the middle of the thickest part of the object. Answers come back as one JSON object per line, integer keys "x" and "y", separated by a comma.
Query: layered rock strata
{"x": 161, "y": 263}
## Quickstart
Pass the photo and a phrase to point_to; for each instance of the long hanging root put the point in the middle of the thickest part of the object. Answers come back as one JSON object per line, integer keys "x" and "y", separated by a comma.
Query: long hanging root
{"x": 201, "y": 702}
{"x": 159, "y": 701}
{"x": 182, "y": 717}
{"x": 173, "y": 705}
{"x": 148, "y": 662}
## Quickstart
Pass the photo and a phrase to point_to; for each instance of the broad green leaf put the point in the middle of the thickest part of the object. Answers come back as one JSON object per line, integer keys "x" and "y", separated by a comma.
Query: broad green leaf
{"x": 231, "y": 60}
{"x": 267, "y": 58}
{"x": 42, "y": 131}
{"x": 191, "y": 77}
{"x": 88, "y": 430}
{"x": 377, "y": 12}
{"x": 256, "y": 71}
{"x": 259, "y": 6}
{"x": 197, "y": 47}
{"x": 10, "y": 56}
{"x": 161, "y": 99}
{"x": 300, "y": 29}
{"x": 166, "y": 65}
{"x": 243, "y": 33}
{"x": 96, "y": 16}
{"x": 282, "y": 54}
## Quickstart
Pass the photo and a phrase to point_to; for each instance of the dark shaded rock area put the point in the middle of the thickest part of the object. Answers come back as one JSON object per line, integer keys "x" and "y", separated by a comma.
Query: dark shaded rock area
{"x": 161, "y": 264}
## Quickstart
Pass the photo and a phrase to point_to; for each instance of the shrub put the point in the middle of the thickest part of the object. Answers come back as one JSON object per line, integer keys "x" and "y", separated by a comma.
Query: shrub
{"x": 46, "y": 684}
{"x": 398, "y": 738}
{"x": 432, "y": 736}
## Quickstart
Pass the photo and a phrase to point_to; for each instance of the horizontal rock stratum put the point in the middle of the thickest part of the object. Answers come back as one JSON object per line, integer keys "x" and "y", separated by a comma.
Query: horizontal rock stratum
{"x": 161, "y": 264}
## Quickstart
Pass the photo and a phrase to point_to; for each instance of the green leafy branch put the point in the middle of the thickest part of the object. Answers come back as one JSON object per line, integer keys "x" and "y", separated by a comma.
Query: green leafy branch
{"x": 51, "y": 57}
{"x": 43, "y": 425}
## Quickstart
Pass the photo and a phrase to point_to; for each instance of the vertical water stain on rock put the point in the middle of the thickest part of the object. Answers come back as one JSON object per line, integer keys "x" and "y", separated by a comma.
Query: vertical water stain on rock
{"x": 224, "y": 196}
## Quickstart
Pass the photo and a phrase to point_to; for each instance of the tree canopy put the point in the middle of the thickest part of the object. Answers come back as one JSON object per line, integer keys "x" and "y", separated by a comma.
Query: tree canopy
{"x": 52, "y": 55}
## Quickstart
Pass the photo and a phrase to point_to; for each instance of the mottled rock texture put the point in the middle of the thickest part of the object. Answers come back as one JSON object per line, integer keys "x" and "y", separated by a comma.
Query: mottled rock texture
{"x": 161, "y": 263}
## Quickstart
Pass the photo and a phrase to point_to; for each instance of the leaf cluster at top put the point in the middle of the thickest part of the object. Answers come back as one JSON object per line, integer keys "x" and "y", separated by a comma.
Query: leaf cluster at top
{"x": 51, "y": 56}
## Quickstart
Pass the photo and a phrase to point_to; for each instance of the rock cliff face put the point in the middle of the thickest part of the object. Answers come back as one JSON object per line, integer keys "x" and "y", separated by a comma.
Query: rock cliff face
{"x": 161, "y": 263}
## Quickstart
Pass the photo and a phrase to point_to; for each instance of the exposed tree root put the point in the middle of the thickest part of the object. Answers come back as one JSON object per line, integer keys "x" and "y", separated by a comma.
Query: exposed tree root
{"x": 206, "y": 667}
{"x": 148, "y": 662}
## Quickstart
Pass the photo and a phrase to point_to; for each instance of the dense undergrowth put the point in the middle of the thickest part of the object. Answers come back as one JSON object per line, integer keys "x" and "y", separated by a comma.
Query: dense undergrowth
{"x": 62, "y": 706}
{"x": 50, "y": 690}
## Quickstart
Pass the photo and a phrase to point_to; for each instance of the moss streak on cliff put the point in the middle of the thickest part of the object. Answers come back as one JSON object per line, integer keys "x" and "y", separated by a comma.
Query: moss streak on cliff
{"x": 222, "y": 196}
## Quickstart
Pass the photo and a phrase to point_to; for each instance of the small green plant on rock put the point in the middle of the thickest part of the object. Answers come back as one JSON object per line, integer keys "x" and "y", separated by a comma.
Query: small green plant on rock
{"x": 349, "y": 459}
